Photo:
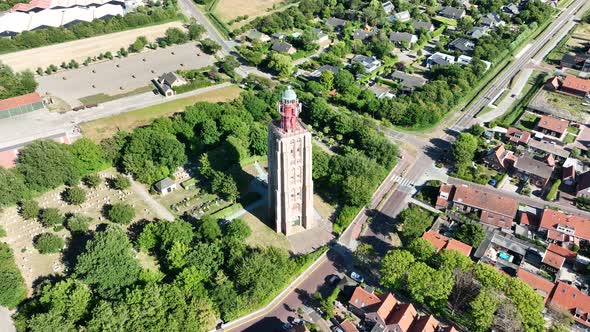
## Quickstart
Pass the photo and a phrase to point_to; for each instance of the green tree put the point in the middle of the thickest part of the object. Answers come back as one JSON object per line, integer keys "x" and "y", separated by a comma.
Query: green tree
{"x": 74, "y": 195}
{"x": 414, "y": 222}
{"x": 421, "y": 249}
{"x": 12, "y": 284}
{"x": 139, "y": 43}
{"x": 29, "y": 209}
{"x": 121, "y": 182}
{"x": 107, "y": 263}
{"x": 209, "y": 46}
{"x": 49, "y": 243}
{"x": 464, "y": 148}
{"x": 68, "y": 298}
{"x": 229, "y": 64}
{"x": 121, "y": 213}
{"x": 452, "y": 259}
{"x": 490, "y": 277}
{"x": 12, "y": 187}
{"x": 47, "y": 164}
{"x": 482, "y": 310}
{"x": 92, "y": 180}
{"x": 470, "y": 233}
{"x": 176, "y": 36}
{"x": 237, "y": 230}
{"x": 89, "y": 157}
{"x": 327, "y": 79}
{"x": 430, "y": 286}
{"x": 343, "y": 80}
{"x": 51, "y": 217}
{"x": 258, "y": 140}
{"x": 281, "y": 64}
{"x": 208, "y": 229}
{"x": 394, "y": 267}
{"x": 364, "y": 253}
{"x": 78, "y": 224}
{"x": 195, "y": 30}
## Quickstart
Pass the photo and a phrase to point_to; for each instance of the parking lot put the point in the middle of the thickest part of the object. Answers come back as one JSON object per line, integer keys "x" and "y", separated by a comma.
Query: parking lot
{"x": 123, "y": 75}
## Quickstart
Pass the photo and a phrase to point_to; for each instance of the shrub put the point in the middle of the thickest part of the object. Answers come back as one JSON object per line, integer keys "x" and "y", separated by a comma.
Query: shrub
{"x": 12, "y": 284}
{"x": 29, "y": 209}
{"x": 121, "y": 213}
{"x": 48, "y": 243}
{"x": 344, "y": 218}
{"x": 78, "y": 223}
{"x": 2, "y": 232}
{"x": 75, "y": 195}
{"x": 51, "y": 217}
{"x": 121, "y": 182}
{"x": 92, "y": 181}
{"x": 552, "y": 194}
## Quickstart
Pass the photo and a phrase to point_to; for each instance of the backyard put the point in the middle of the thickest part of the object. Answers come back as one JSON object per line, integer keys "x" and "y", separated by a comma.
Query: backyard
{"x": 562, "y": 105}
{"x": 107, "y": 127}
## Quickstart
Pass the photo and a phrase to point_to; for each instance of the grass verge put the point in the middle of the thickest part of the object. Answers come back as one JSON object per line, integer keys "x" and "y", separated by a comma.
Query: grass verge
{"x": 103, "y": 98}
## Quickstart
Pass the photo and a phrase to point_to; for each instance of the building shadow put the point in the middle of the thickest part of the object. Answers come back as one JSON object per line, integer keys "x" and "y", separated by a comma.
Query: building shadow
{"x": 267, "y": 324}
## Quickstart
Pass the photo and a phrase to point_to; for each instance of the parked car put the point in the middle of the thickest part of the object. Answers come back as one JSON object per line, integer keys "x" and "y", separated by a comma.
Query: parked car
{"x": 357, "y": 277}
{"x": 286, "y": 326}
{"x": 334, "y": 279}
{"x": 298, "y": 321}
{"x": 336, "y": 329}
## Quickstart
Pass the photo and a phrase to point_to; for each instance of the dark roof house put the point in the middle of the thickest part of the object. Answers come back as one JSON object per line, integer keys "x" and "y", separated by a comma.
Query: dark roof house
{"x": 452, "y": 12}
{"x": 462, "y": 45}
{"x": 283, "y": 47}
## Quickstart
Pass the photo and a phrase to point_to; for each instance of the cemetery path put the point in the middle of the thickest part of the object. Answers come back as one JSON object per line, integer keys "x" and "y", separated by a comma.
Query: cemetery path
{"x": 158, "y": 208}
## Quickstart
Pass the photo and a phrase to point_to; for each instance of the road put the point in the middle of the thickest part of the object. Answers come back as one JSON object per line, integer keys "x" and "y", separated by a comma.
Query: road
{"x": 503, "y": 79}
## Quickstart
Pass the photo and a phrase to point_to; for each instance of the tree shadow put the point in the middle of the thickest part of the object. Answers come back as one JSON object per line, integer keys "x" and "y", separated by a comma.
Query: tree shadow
{"x": 266, "y": 324}
{"x": 76, "y": 245}
{"x": 49, "y": 279}
{"x": 135, "y": 229}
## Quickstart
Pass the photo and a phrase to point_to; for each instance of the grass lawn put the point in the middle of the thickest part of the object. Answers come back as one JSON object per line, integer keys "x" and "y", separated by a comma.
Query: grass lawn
{"x": 518, "y": 107}
{"x": 107, "y": 127}
{"x": 501, "y": 97}
{"x": 528, "y": 121}
{"x": 569, "y": 139}
{"x": 573, "y": 130}
{"x": 263, "y": 235}
{"x": 444, "y": 20}
{"x": 571, "y": 104}
{"x": 103, "y": 98}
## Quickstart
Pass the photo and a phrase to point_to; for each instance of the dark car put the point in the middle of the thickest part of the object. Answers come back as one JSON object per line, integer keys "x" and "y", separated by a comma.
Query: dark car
{"x": 334, "y": 279}
{"x": 286, "y": 326}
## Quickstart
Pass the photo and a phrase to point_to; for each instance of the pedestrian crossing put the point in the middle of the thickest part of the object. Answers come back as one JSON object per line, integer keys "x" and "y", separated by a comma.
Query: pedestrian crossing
{"x": 403, "y": 181}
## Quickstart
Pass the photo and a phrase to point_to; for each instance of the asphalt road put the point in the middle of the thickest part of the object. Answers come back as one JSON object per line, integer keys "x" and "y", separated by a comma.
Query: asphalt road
{"x": 501, "y": 81}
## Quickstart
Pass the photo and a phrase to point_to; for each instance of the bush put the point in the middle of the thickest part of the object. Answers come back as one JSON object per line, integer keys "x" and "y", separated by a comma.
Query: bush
{"x": 121, "y": 182}
{"x": 75, "y": 195}
{"x": 51, "y": 217}
{"x": 2, "y": 232}
{"x": 29, "y": 209}
{"x": 552, "y": 194}
{"x": 344, "y": 218}
{"x": 12, "y": 284}
{"x": 78, "y": 223}
{"x": 49, "y": 243}
{"x": 121, "y": 213}
{"x": 92, "y": 181}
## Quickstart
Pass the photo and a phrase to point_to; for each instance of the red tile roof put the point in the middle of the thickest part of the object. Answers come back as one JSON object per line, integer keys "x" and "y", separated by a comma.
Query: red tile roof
{"x": 425, "y": 324}
{"x": 553, "y": 124}
{"x": 555, "y": 235}
{"x": 561, "y": 251}
{"x": 485, "y": 201}
{"x": 496, "y": 219}
{"x": 554, "y": 260}
{"x": 403, "y": 317}
{"x": 444, "y": 195}
{"x": 361, "y": 298}
{"x": 577, "y": 84}
{"x": 348, "y": 326}
{"x": 440, "y": 241}
{"x": 529, "y": 219}
{"x": 386, "y": 306}
{"x": 523, "y": 136}
{"x": 541, "y": 285}
{"x": 23, "y": 100}
{"x": 572, "y": 299}
{"x": 505, "y": 157}
{"x": 551, "y": 219}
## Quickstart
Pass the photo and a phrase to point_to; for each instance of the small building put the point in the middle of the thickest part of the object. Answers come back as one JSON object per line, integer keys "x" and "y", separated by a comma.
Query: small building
{"x": 582, "y": 184}
{"x": 532, "y": 170}
{"x": 336, "y": 23}
{"x": 388, "y": 7}
{"x": 401, "y": 17}
{"x": 20, "y": 105}
{"x": 511, "y": 9}
{"x": 564, "y": 229}
{"x": 462, "y": 45}
{"x": 553, "y": 84}
{"x": 552, "y": 261}
{"x": 283, "y": 47}
{"x": 318, "y": 72}
{"x": 440, "y": 242}
{"x": 322, "y": 38}
{"x": 551, "y": 127}
{"x": 348, "y": 326}
{"x": 363, "y": 301}
{"x": 500, "y": 158}
{"x": 574, "y": 60}
{"x": 402, "y": 38}
{"x": 549, "y": 147}
{"x": 255, "y": 35}
{"x": 408, "y": 82}
{"x": 363, "y": 35}
{"x": 369, "y": 63}
{"x": 576, "y": 86}
{"x": 491, "y": 20}
{"x": 477, "y": 32}
{"x": 167, "y": 82}
{"x": 541, "y": 285}
{"x": 440, "y": 59}
{"x": 381, "y": 91}
{"x": 165, "y": 186}
{"x": 517, "y": 136}
{"x": 452, "y": 12}
{"x": 423, "y": 25}
{"x": 574, "y": 301}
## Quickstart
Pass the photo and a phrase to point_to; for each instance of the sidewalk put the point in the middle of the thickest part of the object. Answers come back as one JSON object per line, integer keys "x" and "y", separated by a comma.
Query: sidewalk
{"x": 160, "y": 210}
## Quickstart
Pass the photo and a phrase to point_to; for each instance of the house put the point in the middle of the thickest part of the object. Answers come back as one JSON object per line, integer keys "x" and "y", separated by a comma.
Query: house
{"x": 381, "y": 91}
{"x": 532, "y": 170}
{"x": 549, "y": 147}
{"x": 541, "y": 285}
{"x": 401, "y": 17}
{"x": 278, "y": 36}
{"x": 583, "y": 185}
{"x": 500, "y": 158}
{"x": 491, "y": 20}
{"x": 440, "y": 59}
{"x": 348, "y": 326}
{"x": 167, "y": 82}
{"x": 569, "y": 255}
{"x": 568, "y": 176}
{"x": 363, "y": 301}
{"x": 425, "y": 324}
{"x": 403, "y": 38}
{"x": 553, "y": 84}
{"x": 552, "y": 262}
{"x": 363, "y": 35}
{"x": 388, "y": 7}
{"x": 322, "y": 38}
{"x": 255, "y": 35}
{"x": 422, "y": 25}
{"x": 165, "y": 186}
{"x": 576, "y": 86}
{"x": 477, "y": 32}
{"x": 382, "y": 312}
{"x": 452, "y": 12}
{"x": 462, "y": 45}
{"x": 20, "y": 104}
{"x": 574, "y": 61}
{"x": 574, "y": 301}
{"x": 336, "y": 23}
{"x": 518, "y": 136}
{"x": 401, "y": 319}
{"x": 511, "y": 9}
{"x": 445, "y": 195}
{"x": 490, "y": 207}
{"x": 440, "y": 242}
{"x": 408, "y": 82}
{"x": 369, "y": 63}
{"x": 562, "y": 228}
{"x": 318, "y": 72}
{"x": 552, "y": 127}
{"x": 283, "y": 47}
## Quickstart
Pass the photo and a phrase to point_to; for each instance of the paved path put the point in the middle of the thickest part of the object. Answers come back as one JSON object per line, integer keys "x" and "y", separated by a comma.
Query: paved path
{"x": 6, "y": 323}
{"x": 160, "y": 210}
{"x": 40, "y": 124}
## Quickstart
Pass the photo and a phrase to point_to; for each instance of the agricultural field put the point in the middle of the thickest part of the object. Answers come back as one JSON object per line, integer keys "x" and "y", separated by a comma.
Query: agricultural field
{"x": 229, "y": 11}
{"x": 107, "y": 127}
{"x": 20, "y": 232}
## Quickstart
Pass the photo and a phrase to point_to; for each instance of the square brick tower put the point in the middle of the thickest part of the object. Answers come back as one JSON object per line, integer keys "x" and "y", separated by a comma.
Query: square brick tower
{"x": 290, "y": 186}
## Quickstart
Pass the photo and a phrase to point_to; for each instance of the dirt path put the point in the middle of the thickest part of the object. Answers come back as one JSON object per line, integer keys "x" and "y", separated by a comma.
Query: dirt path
{"x": 79, "y": 50}
{"x": 160, "y": 210}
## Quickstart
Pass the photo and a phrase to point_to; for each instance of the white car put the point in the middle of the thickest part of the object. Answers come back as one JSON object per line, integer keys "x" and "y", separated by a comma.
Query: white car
{"x": 357, "y": 277}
